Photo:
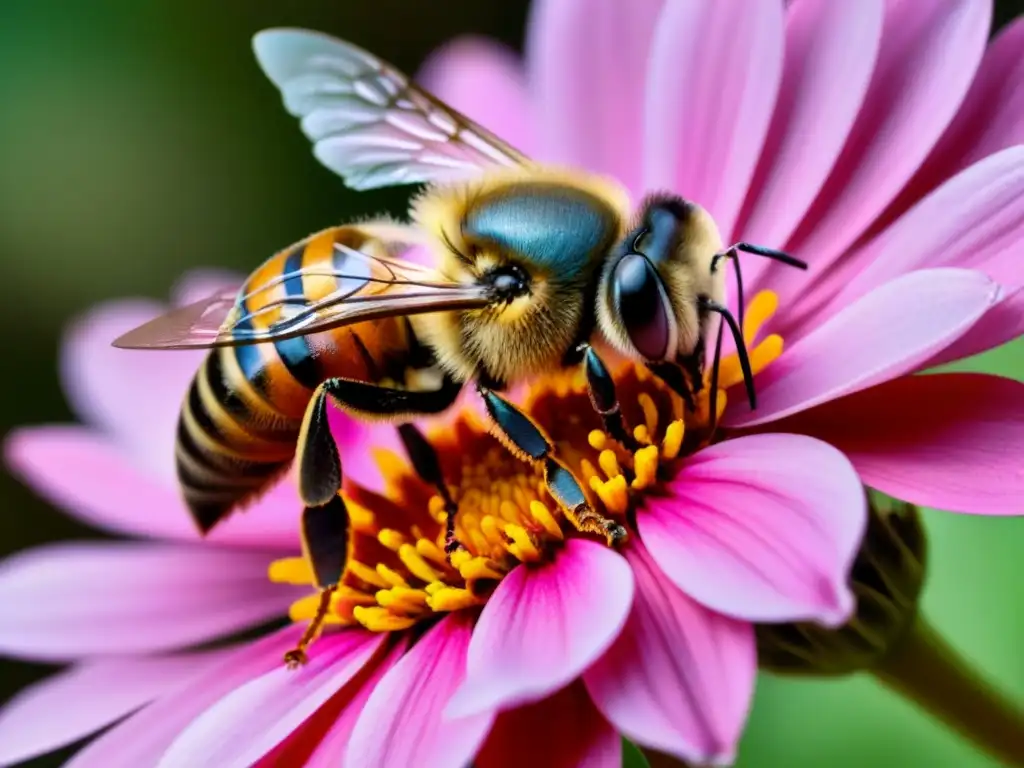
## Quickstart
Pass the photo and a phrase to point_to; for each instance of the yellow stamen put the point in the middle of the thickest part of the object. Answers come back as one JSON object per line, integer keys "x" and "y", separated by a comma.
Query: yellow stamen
{"x": 609, "y": 464}
{"x": 393, "y": 540}
{"x": 479, "y": 568}
{"x": 527, "y": 550}
{"x": 391, "y": 578}
{"x": 377, "y": 619}
{"x": 452, "y": 599}
{"x": 431, "y": 551}
{"x": 402, "y": 599}
{"x": 597, "y": 439}
{"x": 673, "y": 439}
{"x": 291, "y": 570}
{"x": 640, "y": 434}
{"x": 417, "y": 566}
{"x": 361, "y": 519}
{"x": 645, "y": 467}
{"x": 542, "y": 515}
{"x": 650, "y": 412}
{"x": 758, "y": 312}
{"x": 367, "y": 574}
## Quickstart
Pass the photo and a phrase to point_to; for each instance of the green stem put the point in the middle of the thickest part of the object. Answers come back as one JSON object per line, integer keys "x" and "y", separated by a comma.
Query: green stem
{"x": 927, "y": 670}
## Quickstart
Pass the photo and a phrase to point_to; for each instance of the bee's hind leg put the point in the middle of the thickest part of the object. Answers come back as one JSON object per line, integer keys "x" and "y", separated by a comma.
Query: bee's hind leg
{"x": 520, "y": 435}
{"x": 425, "y": 462}
{"x": 325, "y": 532}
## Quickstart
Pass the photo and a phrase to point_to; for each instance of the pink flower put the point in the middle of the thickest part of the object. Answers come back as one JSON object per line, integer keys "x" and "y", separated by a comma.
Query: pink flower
{"x": 654, "y": 642}
{"x": 879, "y": 141}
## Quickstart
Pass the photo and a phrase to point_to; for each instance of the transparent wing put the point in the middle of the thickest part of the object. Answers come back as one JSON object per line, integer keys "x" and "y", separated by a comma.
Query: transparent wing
{"x": 368, "y": 123}
{"x": 368, "y": 287}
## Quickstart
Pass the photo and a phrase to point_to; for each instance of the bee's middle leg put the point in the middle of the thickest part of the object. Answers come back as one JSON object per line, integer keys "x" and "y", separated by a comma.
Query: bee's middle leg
{"x": 428, "y": 467}
{"x": 520, "y": 435}
{"x": 604, "y": 398}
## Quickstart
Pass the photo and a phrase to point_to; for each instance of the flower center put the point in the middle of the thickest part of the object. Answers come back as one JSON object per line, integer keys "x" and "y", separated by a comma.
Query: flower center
{"x": 397, "y": 573}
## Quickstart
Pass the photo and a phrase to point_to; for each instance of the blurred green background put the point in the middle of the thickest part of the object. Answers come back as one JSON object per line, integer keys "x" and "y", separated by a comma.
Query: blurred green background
{"x": 139, "y": 139}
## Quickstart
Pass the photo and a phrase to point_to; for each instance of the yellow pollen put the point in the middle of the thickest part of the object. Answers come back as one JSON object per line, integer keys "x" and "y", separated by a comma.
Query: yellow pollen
{"x": 673, "y": 439}
{"x": 391, "y": 578}
{"x": 452, "y": 599}
{"x": 525, "y": 549}
{"x": 645, "y": 467}
{"x": 378, "y": 619}
{"x": 609, "y": 464}
{"x": 291, "y": 570}
{"x": 393, "y": 540}
{"x": 431, "y": 551}
{"x": 650, "y": 412}
{"x": 479, "y": 568}
{"x": 367, "y": 574}
{"x": 417, "y": 566}
{"x": 361, "y": 519}
{"x": 398, "y": 572}
{"x": 543, "y": 515}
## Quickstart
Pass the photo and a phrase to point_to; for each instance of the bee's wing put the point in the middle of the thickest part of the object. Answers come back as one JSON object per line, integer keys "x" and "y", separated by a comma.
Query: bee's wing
{"x": 369, "y": 287}
{"x": 368, "y": 123}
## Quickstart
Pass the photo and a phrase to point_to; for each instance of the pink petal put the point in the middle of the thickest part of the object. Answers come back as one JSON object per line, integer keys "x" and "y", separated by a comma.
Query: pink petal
{"x": 563, "y": 730}
{"x": 68, "y": 601}
{"x": 974, "y": 220}
{"x": 762, "y": 528}
{"x": 990, "y": 119}
{"x": 680, "y": 677}
{"x": 485, "y": 81}
{"x": 134, "y": 396}
{"x": 402, "y": 723}
{"x": 543, "y": 626}
{"x": 885, "y": 334}
{"x": 715, "y": 70}
{"x": 82, "y": 699}
{"x": 143, "y": 738}
{"x": 928, "y": 55}
{"x": 90, "y": 478}
{"x": 1002, "y": 323}
{"x": 328, "y": 751}
{"x": 952, "y": 441}
{"x": 260, "y": 714}
{"x": 830, "y": 53}
{"x": 587, "y": 64}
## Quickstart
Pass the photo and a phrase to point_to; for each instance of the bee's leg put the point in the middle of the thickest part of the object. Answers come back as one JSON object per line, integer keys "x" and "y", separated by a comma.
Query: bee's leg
{"x": 524, "y": 439}
{"x": 603, "y": 397}
{"x": 317, "y": 456}
{"x": 325, "y": 532}
{"x": 424, "y": 461}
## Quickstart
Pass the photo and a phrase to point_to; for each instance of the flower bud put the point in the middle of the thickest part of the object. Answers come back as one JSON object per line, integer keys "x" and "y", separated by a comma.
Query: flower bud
{"x": 886, "y": 580}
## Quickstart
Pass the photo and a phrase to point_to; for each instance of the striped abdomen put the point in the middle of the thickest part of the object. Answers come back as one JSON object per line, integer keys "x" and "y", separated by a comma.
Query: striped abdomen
{"x": 241, "y": 418}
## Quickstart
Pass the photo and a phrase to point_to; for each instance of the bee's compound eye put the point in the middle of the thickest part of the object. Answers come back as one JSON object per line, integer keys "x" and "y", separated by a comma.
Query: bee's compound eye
{"x": 642, "y": 306}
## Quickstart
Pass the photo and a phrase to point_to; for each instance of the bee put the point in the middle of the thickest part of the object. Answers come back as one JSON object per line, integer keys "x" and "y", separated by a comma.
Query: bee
{"x": 532, "y": 269}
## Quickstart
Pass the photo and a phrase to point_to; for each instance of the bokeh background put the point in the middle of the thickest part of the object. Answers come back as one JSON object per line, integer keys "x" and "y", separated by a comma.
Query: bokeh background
{"x": 139, "y": 139}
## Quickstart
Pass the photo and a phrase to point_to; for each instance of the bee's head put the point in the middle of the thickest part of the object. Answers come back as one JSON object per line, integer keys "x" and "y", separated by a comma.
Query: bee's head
{"x": 651, "y": 287}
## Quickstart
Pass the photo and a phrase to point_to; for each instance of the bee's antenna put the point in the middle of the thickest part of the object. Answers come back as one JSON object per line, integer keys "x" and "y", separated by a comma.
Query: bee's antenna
{"x": 741, "y": 346}
{"x": 732, "y": 256}
{"x": 713, "y": 394}
{"x": 771, "y": 253}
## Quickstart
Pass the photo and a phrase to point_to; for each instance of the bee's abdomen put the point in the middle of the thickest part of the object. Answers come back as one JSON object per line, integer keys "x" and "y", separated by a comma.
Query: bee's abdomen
{"x": 231, "y": 443}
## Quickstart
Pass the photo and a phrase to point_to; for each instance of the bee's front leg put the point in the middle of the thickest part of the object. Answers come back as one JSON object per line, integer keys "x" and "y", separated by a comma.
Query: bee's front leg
{"x": 525, "y": 440}
{"x": 604, "y": 399}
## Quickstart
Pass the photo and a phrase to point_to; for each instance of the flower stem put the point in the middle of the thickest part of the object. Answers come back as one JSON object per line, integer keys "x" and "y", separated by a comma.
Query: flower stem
{"x": 927, "y": 670}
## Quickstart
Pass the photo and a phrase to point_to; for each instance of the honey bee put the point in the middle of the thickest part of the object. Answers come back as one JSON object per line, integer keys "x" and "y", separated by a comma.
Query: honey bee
{"x": 534, "y": 268}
